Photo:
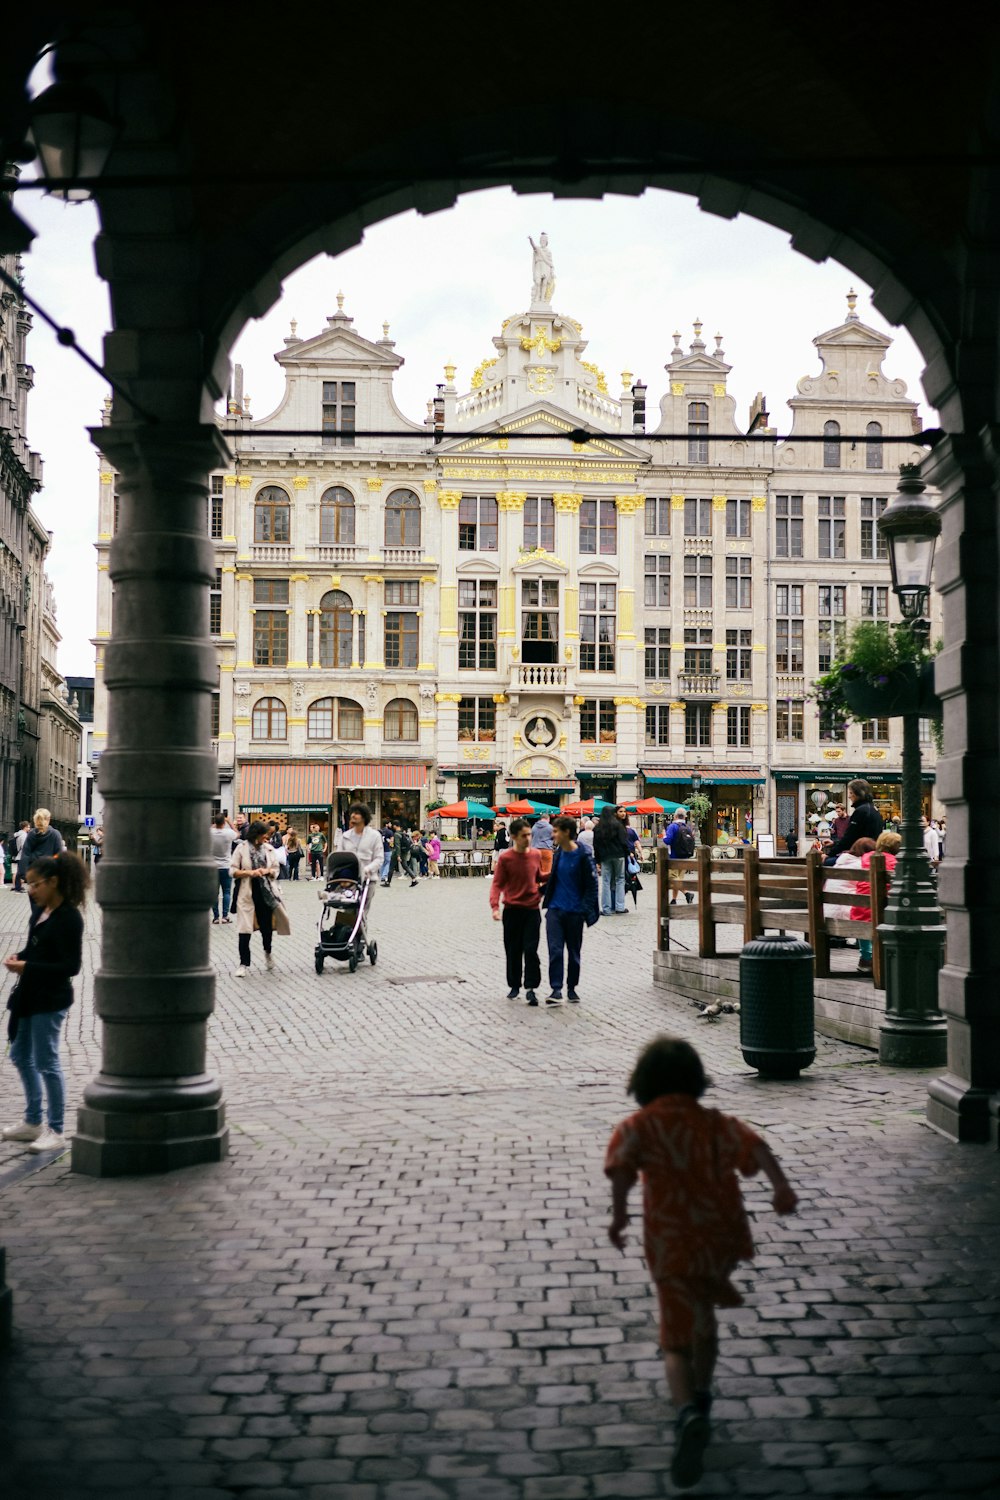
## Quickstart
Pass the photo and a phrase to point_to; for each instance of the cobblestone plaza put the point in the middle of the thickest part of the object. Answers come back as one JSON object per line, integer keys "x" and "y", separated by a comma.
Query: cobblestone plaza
{"x": 398, "y": 1285}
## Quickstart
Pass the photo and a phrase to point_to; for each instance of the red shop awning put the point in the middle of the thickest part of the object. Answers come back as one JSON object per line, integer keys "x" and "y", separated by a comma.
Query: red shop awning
{"x": 274, "y": 784}
{"x": 380, "y": 775}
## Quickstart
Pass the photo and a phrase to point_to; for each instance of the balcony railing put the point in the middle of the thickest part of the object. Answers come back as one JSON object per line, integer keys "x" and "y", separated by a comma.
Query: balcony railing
{"x": 333, "y": 552}
{"x": 698, "y": 684}
{"x": 272, "y": 552}
{"x": 540, "y": 675}
{"x": 397, "y": 555}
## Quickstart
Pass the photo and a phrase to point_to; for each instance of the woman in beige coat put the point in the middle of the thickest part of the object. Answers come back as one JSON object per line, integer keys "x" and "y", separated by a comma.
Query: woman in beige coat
{"x": 255, "y": 871}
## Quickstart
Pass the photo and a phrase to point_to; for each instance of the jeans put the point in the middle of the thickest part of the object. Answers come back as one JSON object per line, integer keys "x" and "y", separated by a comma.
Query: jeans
{"x": 564, "y": 929}
{"x": 264, "y": 922}
{"x": 383, "y": 874}
{"x": 294, "y": 858}
{"x": 226, "y": 887}
{"x": 316, "y": 863}
{"x": 612, "y": 874}
{"x": 865, "y": 950}
{"x": 522, "y": 926}
{"x": 35, "y": 1054}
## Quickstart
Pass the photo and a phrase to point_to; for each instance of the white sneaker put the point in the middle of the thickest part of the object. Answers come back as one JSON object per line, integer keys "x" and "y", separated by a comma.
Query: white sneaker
{"x": 22, "y": 1132}
{"x": 268, "y": 961}
{"x": 241, "y": 972}
{"x": 49, "y": 1140}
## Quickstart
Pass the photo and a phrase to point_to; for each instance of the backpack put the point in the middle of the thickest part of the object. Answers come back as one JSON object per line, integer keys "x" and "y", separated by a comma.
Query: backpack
{"x": 683, "y": 842}
{"x": 405, "y": 842}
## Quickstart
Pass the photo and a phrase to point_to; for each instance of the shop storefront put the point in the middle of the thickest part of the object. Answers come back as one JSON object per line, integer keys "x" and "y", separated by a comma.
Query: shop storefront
{"x": 804, "y": 801}
{"x": 734, "y": 797}
{"x": 479, "y": 788}
{"x": 395, "y": 791}
{"x": 295, "y": 794}
{"x": 605, "y": 787}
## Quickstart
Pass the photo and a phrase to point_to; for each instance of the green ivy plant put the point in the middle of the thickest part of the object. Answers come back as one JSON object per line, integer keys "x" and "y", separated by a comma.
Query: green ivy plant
{"x": 873, "y": 650}
{"x": 699, "y": 808}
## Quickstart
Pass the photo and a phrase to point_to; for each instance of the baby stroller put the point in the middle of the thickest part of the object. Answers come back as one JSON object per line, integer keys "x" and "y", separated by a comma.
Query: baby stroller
{"x": 342, "y": 932}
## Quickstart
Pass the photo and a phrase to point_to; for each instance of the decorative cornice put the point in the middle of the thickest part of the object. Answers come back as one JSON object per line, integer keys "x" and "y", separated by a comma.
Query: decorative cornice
{"x": 449, "y": 499}
{"x": 628, "y": 504}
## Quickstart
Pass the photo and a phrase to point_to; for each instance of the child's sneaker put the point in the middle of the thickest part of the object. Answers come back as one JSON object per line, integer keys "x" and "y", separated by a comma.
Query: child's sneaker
{"x": 692, "y": 1434}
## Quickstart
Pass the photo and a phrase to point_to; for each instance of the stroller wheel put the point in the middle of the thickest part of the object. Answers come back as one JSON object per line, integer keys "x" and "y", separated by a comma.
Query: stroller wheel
{"x": 372, "y": 953}
{"x": 319, "y": 963}
{"x": 352, "y": 962}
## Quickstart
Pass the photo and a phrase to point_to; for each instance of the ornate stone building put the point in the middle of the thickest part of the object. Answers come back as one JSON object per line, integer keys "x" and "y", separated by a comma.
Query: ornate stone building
{"x": 511, "y": 610}
{"x": 59, "y": 730}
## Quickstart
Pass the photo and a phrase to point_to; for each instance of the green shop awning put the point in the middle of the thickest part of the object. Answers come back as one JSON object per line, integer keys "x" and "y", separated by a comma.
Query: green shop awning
{"x": 708, "y": 778}
{"x": 841, "y": 774}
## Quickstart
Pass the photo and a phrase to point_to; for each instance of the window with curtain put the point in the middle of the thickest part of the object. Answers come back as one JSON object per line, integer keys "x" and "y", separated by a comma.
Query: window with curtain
{"x": 269, "y": 719}
{"x": 336, "y": 625}
{"x": 400, "y": 721}
{"x": 477, "y": 719}
{"x": 598, "y": 721}
{"x": 336, "y": 517}
{"x": 597, "y": 627}
{"x": 402, "y": 519}
{"x": 789, "y": 720}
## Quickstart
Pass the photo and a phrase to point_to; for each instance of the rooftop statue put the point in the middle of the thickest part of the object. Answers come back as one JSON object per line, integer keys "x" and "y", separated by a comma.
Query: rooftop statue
{"x": 543, "y": 276}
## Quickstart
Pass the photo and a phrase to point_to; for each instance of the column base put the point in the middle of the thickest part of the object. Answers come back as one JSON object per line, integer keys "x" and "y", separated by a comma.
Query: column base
{"x": 961, "y": 1112}
{"x": 112, "y": 1143}
{"x": 917, "y": 1045}
{"x": 6, "y": 1304}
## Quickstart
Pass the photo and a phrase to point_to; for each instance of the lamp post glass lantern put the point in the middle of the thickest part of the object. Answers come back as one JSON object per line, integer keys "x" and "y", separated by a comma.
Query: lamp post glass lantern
{"x": 913, "y": 931}
{"x": 73, "y": 133}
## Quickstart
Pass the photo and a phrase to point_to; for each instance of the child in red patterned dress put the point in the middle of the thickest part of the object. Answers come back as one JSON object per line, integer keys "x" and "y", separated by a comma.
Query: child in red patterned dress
{"x": 695, "y": 1227}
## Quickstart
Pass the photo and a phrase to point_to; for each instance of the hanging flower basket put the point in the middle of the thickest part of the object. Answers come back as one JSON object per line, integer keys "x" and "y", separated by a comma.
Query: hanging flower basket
{"x": 908, "y": 689}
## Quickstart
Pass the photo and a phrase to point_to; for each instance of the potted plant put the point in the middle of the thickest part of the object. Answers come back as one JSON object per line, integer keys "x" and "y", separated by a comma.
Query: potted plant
{"x": 881, "y": 670}
{"x": 699, "y": 810}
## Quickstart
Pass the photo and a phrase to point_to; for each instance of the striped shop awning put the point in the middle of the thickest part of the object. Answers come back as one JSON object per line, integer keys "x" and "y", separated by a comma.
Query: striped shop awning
{"x": 380, "y": 775}
{"x": 274, "y": 784}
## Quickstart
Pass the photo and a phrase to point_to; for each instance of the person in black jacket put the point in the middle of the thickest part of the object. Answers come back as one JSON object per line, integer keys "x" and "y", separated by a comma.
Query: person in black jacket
{"x": 611, "y": 850}
{"x": 43, "y": 994}
{"x": 42, "y": 840}
{"x": 865, "y": 821}
{"x": 570, "y": 901}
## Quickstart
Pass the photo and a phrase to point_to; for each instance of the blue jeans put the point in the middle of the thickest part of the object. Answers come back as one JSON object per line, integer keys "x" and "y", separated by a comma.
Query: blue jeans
{"x": 612, "y": 873}
{"x": 383, "y": 874}
{"x": 564, "y": 929}
{"x": 226, "y": 887}
{"x": 35, "y": 1054}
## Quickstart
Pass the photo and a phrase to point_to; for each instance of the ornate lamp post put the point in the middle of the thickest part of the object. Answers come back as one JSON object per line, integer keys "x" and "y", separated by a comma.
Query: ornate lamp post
{"x": 913, "y": 932}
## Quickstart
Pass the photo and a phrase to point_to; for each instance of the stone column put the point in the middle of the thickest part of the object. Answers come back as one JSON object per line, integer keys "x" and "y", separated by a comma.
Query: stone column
{"x": 298, "y": 594}
{"x": 375, "y": 623}
{"x": 449, "y": 501}
{"x": 627, "y": 507}
{"x": 964, "y": 1102}
{"x": 153, "y": 1106}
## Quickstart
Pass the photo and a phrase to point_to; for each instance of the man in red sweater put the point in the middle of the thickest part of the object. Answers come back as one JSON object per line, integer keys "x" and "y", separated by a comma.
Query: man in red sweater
{"x": 516, "y": 878}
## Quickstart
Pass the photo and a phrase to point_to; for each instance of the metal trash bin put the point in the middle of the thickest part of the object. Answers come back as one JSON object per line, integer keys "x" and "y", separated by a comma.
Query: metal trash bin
{"x": 777, "y": 1035}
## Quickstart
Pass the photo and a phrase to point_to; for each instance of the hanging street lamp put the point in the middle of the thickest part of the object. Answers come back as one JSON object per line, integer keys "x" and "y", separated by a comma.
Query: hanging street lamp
{"x": 73, "y": 132}
{"x": 913, "y": 1031}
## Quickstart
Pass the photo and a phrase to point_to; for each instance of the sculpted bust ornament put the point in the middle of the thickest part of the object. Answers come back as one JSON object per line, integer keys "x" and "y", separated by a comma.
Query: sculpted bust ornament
{"x": 540, "y": 732}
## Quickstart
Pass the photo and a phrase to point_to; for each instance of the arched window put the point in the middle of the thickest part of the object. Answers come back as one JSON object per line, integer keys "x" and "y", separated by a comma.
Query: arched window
{"x": 873, "y": 450}
{"x": 697, "y": 432}
{"x": 272, "y": 515}
{"x": 400, "y": 720}
{"x": 335, "y": 627}
{"x": 270, "y": 719}
{"x": 831, "y": 445}
{"x": 336, "y": 517}
{"x": 334, "y": 719}
{"x": 402, "y": 519}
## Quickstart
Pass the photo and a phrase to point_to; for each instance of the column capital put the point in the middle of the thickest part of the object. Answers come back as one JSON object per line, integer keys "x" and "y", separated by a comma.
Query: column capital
{"x": 567, "y": 501}
{"x": 627, "y": 505}
{"x": 449, "y": 499}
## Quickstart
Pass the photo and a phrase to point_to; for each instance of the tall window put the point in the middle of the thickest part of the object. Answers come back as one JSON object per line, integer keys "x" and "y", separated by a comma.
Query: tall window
{"x": 402, "y": 638}
{"x": 215, "y": 605}
{"x": 336, "y": 625}
{"x": 215, "y": 508}
{"x": 875, "y": 601}
{"x": 597, "y": 627}
{"x": 598, "y": 527}
{"x": 272, "y": 515}
{"x": 657, "y": 653}
{"x": 598, "y": 721}
{"x": 402, "y": 519}
{"x": 789, "y": 720}
{"x": 832, "y": 511}
{"x": 739, "y": 656}
{"x": 658, "y": 724}
{"x": 477, "y": 523}
{"x": 215, "y": 713}
{"x": 336, "y": 517}
{"x": 658, "y": 516}
{"x": 339, "y": 411}
{"x": 737, "y": 518}
{"x": 789, "y": 652}
{"x": 698, "y": 580}
{"x": 831, "y": 727}
{"x": 477, "y": 625}
{"x": 873, "y": 448}
{"x": 788, "y": 526}
{"x": 539, "y": 523}
{"x": 697, "y": 518}
{"x": 698, "y": 724}
{"x": 270, "y": 622}
{"x": 738, "y": 726}
{"x": 334, "y": 719}
{"x": 875, "y": 729}
{"x": 831, "y": 445}
{"x": 400, "y": 721}
{"x": 477, "y": 719}
{"x": 539, "y": 619}
{"x": 698, "y": 651}
{"x": 739, "y": 594}
{"x": 873, "y": 543}
{"x": 269, "y": 719}
{"x": 656, "y": 593}
{"x": 831, "y": 606}
{"x": 697, "y": 432}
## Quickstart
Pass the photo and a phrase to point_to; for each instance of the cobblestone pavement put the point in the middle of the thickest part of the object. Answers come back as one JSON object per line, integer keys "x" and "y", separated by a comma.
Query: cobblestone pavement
{"x": 398, "y": 1286}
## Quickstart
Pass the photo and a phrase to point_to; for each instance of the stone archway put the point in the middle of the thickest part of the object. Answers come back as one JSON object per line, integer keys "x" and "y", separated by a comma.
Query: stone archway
{"x": 187, "y": 264}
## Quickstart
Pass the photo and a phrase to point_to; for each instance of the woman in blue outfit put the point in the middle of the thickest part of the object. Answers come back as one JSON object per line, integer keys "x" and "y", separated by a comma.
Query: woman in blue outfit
{"x": 570, "y": 902}
{"x": 43, "y": 994}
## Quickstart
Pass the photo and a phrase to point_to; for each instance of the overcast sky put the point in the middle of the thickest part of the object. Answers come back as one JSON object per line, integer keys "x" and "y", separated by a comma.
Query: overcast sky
{"x": 632, "y": 270}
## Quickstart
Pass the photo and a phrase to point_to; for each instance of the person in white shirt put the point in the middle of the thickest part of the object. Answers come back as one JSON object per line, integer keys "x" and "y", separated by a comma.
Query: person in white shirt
{"x": 586, "y": 834}
{"x": 366, "y": 842}
{"x": 932, "y": 843}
